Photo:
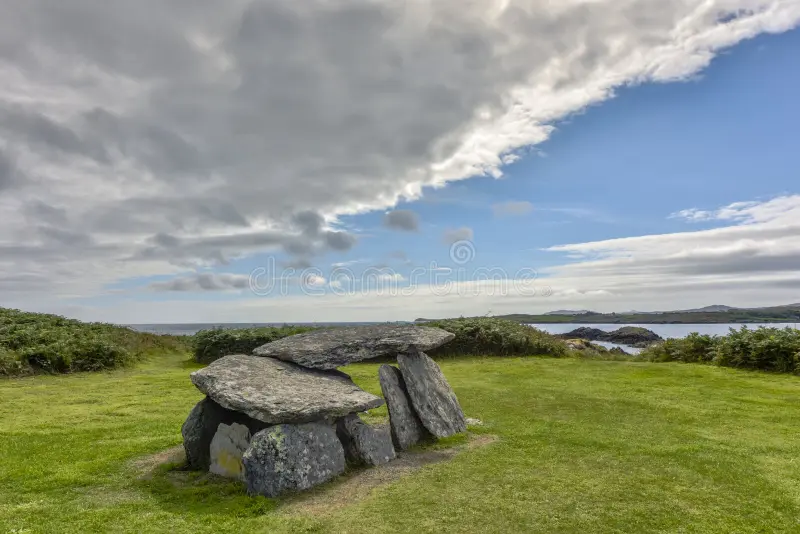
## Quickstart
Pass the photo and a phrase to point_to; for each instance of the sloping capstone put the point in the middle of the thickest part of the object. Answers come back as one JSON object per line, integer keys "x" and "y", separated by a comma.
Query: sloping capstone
{"x": 432, "y": 397}
{"x": 227, "y": 448}
{"x": 202, "y": 424}
{"x": 274, "y": 392}
{"x": 406, "y": 428}
{"x": 334, "y": 347}
{"x": 288, "y": 458}
{"x": 364, "y": 444}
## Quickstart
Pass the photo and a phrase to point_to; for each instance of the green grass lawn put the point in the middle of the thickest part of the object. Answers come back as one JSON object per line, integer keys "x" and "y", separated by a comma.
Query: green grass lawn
{"x": 584, "y": 446}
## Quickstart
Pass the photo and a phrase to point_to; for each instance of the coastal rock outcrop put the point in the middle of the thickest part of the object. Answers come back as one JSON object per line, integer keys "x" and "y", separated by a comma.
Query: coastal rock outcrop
{"x": 290, "y": 458}
{"x": 632, "y": 336}
{"x": 335, "y": 347}
{"x": 407, "y": 429}
{"x": 365, "y": 444}
{"x": 274, "y": 392}
{"x": 431, "y": 395}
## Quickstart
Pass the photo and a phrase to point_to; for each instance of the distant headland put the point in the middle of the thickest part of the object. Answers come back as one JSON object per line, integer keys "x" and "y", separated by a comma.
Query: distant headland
{"x": 708, "y": 315}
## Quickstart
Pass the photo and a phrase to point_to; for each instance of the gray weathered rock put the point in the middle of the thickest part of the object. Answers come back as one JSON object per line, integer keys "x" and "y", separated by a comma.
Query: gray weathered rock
{"x": 274, "y": 392}
{"x": 363, "y": 443}
{"x": 287, "y": 458}
{"x": 407, "y": 429}
{"x": 333, "y": 347}
{"x": 227, "y": 448}
{"x": 432, "y": 397}
{"x": 200, "y": 427}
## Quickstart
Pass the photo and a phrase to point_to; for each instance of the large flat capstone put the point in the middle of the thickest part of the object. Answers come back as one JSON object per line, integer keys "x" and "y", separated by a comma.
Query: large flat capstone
{"x": 288, "y": 458}
{"x": 333, "y": 347}
{"x": 407, "y": 429}
{"x": 432, "y": 397}
{"x": 275, "y": 392}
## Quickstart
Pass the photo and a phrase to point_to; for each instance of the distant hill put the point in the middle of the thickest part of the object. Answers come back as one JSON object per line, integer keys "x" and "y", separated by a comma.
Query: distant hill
{"x": 712, "y": 308}
{"x": 570, "y": 312}
{"x": 717, "y": 313}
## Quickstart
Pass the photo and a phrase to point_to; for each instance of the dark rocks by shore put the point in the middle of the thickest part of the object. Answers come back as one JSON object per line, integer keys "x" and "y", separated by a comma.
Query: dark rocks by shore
{"x": 633, "y": 336}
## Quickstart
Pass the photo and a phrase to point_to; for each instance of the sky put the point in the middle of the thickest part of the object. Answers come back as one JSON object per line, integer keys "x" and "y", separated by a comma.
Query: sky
{"x": 364, "y": 160}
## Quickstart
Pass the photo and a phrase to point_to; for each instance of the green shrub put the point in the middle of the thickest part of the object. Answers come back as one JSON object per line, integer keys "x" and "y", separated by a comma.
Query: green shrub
{"x": 11, "y": 364}
{"x": 694, "y": 348}
{"x": 210, "y": 345}
{"x": 496, "y": 337}
{"x": 49, "y": 343}
{"x": 766, "y": 349}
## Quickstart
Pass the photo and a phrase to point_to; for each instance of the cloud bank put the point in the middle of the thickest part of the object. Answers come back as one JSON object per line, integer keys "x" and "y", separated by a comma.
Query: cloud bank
{"x": 142, "y": 138}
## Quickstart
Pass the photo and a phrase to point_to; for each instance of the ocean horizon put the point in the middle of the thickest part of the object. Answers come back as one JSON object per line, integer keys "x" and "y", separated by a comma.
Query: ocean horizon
{"x": 189, "y": 329}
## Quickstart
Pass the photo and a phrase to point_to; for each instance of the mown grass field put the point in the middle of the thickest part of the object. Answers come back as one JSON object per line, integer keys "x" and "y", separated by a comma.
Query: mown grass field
{"x": 584, "y": 446}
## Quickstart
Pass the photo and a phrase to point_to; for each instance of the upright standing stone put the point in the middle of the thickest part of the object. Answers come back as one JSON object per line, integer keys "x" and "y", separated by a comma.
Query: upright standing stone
{"x": 406, "y": 428}
{"x": 288, "y": 458}
{"x": 227, "y": 448}
{"x": 202, "y": 424}
{"x": 432, "y": 397}
{"x": 330, "y": 348}
{"x": 276, "y": 392}
{"x": 363, "y": 443}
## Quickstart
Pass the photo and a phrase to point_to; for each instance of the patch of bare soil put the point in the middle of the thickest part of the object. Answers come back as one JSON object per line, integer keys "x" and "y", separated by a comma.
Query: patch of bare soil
{"x": 358, "y": 485}
{"x": 146, "y": 465}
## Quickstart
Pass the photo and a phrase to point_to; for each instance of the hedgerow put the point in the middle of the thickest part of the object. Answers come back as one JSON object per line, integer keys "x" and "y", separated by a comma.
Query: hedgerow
{"x": 496, "y": 337}
{"x": 210, "y": 345}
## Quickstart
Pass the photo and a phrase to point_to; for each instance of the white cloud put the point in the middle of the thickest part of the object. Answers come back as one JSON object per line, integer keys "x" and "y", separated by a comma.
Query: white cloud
{"x": 692, "y": 215}
{"x": 758, "y": 249}
{"x": 140, "y": 140}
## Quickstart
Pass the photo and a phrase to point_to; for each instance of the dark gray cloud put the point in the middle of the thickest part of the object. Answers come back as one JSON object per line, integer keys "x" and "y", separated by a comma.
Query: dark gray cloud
{"x": 340, "y": 241}
{"x": 42, "y": 133}
{"x": 204, "y": 282}
{"x": 7, "y": 171}
{"x": 512, "y": 208}
{"x": 405, "y": 220}
{"x": 458, "y": 234}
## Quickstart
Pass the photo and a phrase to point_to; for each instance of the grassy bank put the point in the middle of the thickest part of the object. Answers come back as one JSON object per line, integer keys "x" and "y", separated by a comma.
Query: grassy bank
{"x": 584, "y": 446}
